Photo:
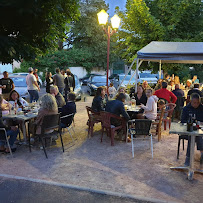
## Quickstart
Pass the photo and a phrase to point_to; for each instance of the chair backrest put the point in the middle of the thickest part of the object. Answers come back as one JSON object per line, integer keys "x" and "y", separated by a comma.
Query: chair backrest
{"x": 68, "y": 118}
{"x": 169, "y": 109}
{"x": 142, "y": 126}
{"x": 106, "y": 119}
{"x": 161, "y": 116}
{"x": 90, "y": 112}
{"x": 50, "y": 122}
{"x": 2, "y": 134}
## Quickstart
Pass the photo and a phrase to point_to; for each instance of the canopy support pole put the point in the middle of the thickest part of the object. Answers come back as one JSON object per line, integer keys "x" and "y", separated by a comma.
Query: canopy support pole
{"x": 160, "y": 69}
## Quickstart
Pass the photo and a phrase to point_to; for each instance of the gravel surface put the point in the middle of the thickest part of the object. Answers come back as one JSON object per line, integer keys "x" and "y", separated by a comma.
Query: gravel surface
{"x": 90, "y": 163}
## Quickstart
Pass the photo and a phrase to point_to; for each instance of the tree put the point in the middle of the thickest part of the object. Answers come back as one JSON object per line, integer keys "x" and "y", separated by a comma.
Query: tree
{"x": 158, "y": 20}
{"x": 28, "y": 28}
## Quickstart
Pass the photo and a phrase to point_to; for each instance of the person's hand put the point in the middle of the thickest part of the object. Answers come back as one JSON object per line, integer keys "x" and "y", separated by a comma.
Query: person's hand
{"x": 39, "y": 88}
{"x": 142, "y": 105}
{"x": 14, "y": 128}
{"x": 4, "y": 87}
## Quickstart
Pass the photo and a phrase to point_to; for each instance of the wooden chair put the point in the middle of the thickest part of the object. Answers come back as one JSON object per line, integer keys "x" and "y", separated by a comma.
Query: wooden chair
{"x": 93, "y": 117}
{"x": 140, "y": 127}
{"x": 169, "y": 110}
{"x": 50, "y": 122}
{"x": 4, "y": 138}
{"x": 110, "y": 129}
{"x": 158, "y": 123}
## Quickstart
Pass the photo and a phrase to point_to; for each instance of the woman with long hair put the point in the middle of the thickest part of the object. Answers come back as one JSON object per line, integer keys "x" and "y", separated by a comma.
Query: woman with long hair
{"x": 140, "y": 96}
{"x": 49, "y": 81}
{"x": 97, "y": 103}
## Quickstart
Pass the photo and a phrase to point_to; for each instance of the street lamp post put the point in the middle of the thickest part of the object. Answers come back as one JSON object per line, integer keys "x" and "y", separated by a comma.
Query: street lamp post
{"x": 115, "y": 22}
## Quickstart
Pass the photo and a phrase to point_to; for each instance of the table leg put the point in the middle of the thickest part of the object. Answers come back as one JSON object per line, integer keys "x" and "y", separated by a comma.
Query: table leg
{"x": 24, "y": 131}
{"x": 192, "y": 149}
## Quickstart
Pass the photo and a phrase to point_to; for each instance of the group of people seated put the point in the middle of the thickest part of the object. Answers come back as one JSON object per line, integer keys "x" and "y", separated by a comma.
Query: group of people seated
{"x": 50, "y": 103}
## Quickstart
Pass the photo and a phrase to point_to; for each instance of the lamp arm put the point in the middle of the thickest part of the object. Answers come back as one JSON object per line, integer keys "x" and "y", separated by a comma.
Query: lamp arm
{"x": 112, "y": 32}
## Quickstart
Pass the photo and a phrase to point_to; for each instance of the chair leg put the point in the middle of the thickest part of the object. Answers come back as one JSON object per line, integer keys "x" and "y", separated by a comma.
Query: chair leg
{"x": 183, "y": 145}
{"x": 133, "y": 154}
{"x": 112, "y": 137}
{"x": 102, "y": 134}
{"x": 43, "y": 147}
{"x": 169, "y": 124}
{"x": 164, "y": 125}
{"x": 9, "y": 147}
{"x": 178, "y": 148}
{"x": 61, "y": 141}
{"x": 151, "y": 145}
{"x": 70, "y": 135}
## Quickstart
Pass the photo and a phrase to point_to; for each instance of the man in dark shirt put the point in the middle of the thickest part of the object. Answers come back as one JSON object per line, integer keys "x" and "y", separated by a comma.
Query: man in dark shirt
{"x": 194, "y": 107}
{"x": 69, "y": 82}
{"x": 7, "y": 85}
{"x": 195, "y": 90}
{"x": 180, "y": 95}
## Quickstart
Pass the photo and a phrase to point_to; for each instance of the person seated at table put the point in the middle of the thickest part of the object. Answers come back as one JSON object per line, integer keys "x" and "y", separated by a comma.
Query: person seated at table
{"x": 194, "y": 108}
{"x": 58, "y": 96}
{"x": 48, "y": 106}
{"x": 112, "y": 90}
{"x": 68, "y": 109}
{"x": 150, "y": 110}
{"x": 140, "y": 96}
{"x": 5, "y": 106}
{"x": 20, "y": 102}
{"x": 97, "y": 103}
{"x": 163, "y": 93}
{"x": 145, "y": 85}
{"x": 196, "y": 90}
{"x": 12, "y": 132}
{"x": 117, "y": 107}
{"x": 123, "y": 90}
{"x": 105, "y": 99}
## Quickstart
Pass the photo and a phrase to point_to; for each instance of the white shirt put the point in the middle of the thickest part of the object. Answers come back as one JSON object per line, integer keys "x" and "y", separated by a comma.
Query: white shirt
{"x": 30, "y": 79}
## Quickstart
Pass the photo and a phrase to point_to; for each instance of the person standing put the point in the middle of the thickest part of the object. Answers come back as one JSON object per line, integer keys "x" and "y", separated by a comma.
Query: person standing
{"x": 7, "y": 85}
{"x": 49, "y": 81}
{"x": 35, "y": 70}
{"x": 69, "y": 83}
{"x": 59, "y": 80}
{"x": 32, "y": 86}
{"x": 112, "y": 90}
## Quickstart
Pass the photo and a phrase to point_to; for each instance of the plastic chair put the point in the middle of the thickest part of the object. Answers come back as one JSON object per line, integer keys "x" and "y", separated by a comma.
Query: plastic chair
{"x": 50, "y": 122}
{"x": 94, "y": 117}
{"x": 169, "y": 109}
{"x": 69, "y": 126}
{"x": 110, "y": 129}
{"x": 4, "y": 138}
{"x": 158, "y": 124}
{"x": 181, "y": 137}
{"x": 140, "y": 127}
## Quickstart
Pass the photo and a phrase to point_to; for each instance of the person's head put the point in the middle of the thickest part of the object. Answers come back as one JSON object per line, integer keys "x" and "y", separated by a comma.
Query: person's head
{"x": 145, "y": 84}
{"x": 54, "y": 90}
{"x": 177, "y": 80}
{"x": 63, "y": 72}
{"x": 14, "y": 95}
{"x": 167, "y": 76}
{"x": 140, "y": 89}
{"x": 111, "y": 84}
{"x": 194, "y": 77}
{"x": 195, "y": 100}
{"x": 121, "y": 90}
{"x": 48, "y": 102}
{"x": 172, "y": 82}
{"x": 189, "y": 83}
{"x": 5, "y": 74}
{"x": 121, "y": 97}
{"x": 68, "y": 72}
{"x": 35, "y": 70}
{"x": 100, "y": 91}
{"x": 30, "y": 70}
{"x": 71, "y": 96}
{"x": 164, "y": 85}
{"x": 177, "y": 86}
{"x": 160, "y": 81}
{"x": 148, "y": 92}
{"x": 48, "y": 74}
{"x": 161, "y": 104}
{"x": 57, "y": 70}
{"x": 196, "y": 85}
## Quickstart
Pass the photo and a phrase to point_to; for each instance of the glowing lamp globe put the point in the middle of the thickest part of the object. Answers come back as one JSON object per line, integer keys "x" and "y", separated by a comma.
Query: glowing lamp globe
{"x": 115, "y": 22}
{"x": 102, "y": 17}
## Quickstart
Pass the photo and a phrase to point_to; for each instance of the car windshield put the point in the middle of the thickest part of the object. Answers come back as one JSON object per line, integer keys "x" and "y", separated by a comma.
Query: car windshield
{"x": 127, "y": 78}
{"x": 76, "y": 81}
{"x": 147, "y": 75}
{"x": 99, "y": 79}
{"x": 19, "y": 82}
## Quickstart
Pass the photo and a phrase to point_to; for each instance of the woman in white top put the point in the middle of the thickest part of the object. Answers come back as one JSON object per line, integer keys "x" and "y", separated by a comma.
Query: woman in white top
{"x": 112, "y": 90}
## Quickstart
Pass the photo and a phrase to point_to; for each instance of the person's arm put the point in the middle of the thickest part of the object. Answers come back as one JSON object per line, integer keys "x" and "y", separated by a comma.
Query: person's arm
{"x": 149, "y": 105}
{"x": 173, "y": 97}
{"x": 124, "y": 113}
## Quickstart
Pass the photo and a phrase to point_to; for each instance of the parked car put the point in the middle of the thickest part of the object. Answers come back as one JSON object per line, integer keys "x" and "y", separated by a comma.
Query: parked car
{"x": 25, "y": 74}
{"x": 87, "y": 78}
{"x": 78, "y": 90}
{"x": 149, "y": 77}
{"x": 21, "y": 86}
{"x": 95, "y": 82}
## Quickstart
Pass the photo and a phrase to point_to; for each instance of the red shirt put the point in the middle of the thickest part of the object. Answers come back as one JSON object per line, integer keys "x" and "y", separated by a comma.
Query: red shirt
{"x": 166, "y": 94}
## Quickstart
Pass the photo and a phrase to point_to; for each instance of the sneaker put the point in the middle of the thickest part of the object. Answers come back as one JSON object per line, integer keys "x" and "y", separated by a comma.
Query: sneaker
{"x": 187, "y": 161}
{"x": 201, "y": 159}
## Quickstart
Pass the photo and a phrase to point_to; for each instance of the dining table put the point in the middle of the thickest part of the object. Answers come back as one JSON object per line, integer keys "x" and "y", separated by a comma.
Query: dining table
{"x": 24, "y": 117}
{"x": 181, "y": 129}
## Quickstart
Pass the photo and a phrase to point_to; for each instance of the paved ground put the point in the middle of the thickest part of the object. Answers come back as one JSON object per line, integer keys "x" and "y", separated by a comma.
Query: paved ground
{"x": 20, "y": 191}
{"x": 91, "y": 164}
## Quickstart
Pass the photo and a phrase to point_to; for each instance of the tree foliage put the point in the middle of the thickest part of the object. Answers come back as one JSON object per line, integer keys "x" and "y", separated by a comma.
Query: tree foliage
{"x": 158, "y": 20}
{"x": 28, "y": 28}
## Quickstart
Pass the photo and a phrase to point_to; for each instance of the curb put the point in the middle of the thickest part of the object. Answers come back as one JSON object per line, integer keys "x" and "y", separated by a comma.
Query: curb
{"x": 102, "y": 192}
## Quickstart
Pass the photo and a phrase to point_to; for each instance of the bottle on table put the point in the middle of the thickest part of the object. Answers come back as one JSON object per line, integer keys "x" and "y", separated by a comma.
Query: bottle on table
{"x": 133, "y": 102}
{"x": 190, "y": 123}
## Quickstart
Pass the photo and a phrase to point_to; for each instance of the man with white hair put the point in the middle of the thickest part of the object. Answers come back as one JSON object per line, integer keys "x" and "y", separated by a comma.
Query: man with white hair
{"x": 59, "y": 98}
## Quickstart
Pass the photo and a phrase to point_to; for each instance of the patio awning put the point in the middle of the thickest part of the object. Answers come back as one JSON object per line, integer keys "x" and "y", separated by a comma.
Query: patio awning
{"x": 172, "y": 52}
